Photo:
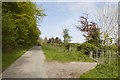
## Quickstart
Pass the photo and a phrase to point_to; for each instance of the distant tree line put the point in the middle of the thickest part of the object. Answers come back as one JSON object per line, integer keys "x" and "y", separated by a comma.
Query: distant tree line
{"x": 52, "y": 40}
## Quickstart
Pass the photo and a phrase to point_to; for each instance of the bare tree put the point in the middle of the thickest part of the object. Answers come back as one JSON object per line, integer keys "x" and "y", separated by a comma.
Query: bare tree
{"x": 107, "y": 20}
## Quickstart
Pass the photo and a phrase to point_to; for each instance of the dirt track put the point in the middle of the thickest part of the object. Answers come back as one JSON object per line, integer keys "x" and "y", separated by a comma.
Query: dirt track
{"x": 68, "y": 70}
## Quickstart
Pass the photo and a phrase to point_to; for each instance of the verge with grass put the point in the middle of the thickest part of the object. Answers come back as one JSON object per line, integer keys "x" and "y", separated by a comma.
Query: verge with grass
{"x": 105, "y": 70}
{"x": 58, "y": 53}
{"x": 9, "y": 57}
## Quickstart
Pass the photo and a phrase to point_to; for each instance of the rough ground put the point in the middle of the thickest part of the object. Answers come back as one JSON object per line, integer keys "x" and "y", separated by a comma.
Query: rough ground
{"x": 33, "y": 65}
{"x": 68, "y": 70}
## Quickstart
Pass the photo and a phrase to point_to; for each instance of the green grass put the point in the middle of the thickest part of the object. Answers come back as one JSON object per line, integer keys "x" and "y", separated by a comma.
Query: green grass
{"x": 9, "y": 57}
{"x": 58, "y": 53}
{"x": 106, "y": 70}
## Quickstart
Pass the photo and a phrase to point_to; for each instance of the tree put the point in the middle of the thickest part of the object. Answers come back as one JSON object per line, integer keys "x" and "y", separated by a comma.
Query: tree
{"x": 57, "y": 40}
{"x": 107, "y": 21}
{"x": 45, "y": 39}
{"x": 54, "y": 40}
{"x": 49, "y": 40}
{"x": 66, "y": 36}
{"x": 92, "y": 32}
{"x": 19, "y": 26}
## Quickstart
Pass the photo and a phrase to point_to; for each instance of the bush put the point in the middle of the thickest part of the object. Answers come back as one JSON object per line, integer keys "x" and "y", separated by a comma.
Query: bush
{"x": 39, "y": 43}
{"x": 87, "y": 47}
{"x": 113, "y": 47}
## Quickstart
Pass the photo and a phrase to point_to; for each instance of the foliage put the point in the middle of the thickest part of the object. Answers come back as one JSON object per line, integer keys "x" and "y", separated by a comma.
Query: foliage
{"x": 106, "y": 70}
{"x": 9, "y": 57}
{"x": 68, "y": 46}
{"x": 45, "y": 40}
{"x": 110, "y": 47}
{"x": 39, "y": 43}
{"x": 19, "y": 26}
{"x": 107, "y": 40}
{"x": 66, "y": 35}
{"x": 56, "y": 52}
{"x": 107, "y": 67}
{"x": 8, "y": 38}
{"x": 53, "y": 40}
{"x": 95, "y": 40}
{"x": 87, "y": 47}
{"x": 92, "y": 31}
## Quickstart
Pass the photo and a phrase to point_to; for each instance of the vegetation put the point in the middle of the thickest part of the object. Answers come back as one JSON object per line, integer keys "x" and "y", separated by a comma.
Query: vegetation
{"x": 57, "y": 52}
{"x": 106, "y": 70}
{"x": 19, "y": 26}
{"x": 93, "y": 32}
{"x": 20, "y": 32}
{"x": 53, "y": 40}
{"x": 95, "y": 45}
{"x": 9, "y": 57}
{"x": 108, "y": 22}
{"x": 105, "y": 55}
{"x": 87, "y": 48}
{"x": 66, "y": 35}
{"x": 108, "y": 64}
{"x": 19, "y": 29}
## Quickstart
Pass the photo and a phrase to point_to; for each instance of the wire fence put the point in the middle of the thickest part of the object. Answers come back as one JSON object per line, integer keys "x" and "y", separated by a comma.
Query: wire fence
{"x": 107, "y": 56}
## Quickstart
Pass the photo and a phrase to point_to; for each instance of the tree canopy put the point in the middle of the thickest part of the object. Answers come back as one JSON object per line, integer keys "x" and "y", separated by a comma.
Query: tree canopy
{"x": 92, "y": 31}
{"x": 19, "y": 24}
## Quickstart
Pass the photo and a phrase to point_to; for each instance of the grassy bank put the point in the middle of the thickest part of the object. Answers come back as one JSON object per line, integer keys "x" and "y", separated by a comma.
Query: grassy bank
{"x": 105, "y": 70}
{"x": 59, "y": 53}
{"x": 9, "y": 57}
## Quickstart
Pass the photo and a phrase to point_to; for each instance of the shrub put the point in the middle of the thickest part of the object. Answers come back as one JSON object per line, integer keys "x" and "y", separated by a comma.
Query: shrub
{"x": 39, "y": 43}
{"x": 87, "y": 47}
{"x": 110, "y": 47}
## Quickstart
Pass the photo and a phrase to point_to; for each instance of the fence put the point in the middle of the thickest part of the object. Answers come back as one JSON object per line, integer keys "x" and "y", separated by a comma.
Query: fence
{"x": 105, "y": 56}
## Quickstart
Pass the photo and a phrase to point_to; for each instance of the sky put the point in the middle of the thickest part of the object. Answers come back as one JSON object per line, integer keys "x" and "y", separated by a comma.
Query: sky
{"x": 62, "y": 15}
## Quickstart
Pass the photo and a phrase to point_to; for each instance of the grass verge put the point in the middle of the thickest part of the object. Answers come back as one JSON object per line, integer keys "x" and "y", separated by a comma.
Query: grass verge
{"x": 9, "y": 57}
{"x": 58, "y": 53}
{"x": 106, "y": 70}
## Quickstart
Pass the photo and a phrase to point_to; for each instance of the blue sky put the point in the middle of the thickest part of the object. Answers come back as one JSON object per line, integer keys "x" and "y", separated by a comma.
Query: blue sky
{"x": 62, "y": 15}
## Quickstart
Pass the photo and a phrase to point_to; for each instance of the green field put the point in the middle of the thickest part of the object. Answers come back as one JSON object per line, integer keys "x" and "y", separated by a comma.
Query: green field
{"x": 59, "y": 53}
{"x": 9, "y": 57}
